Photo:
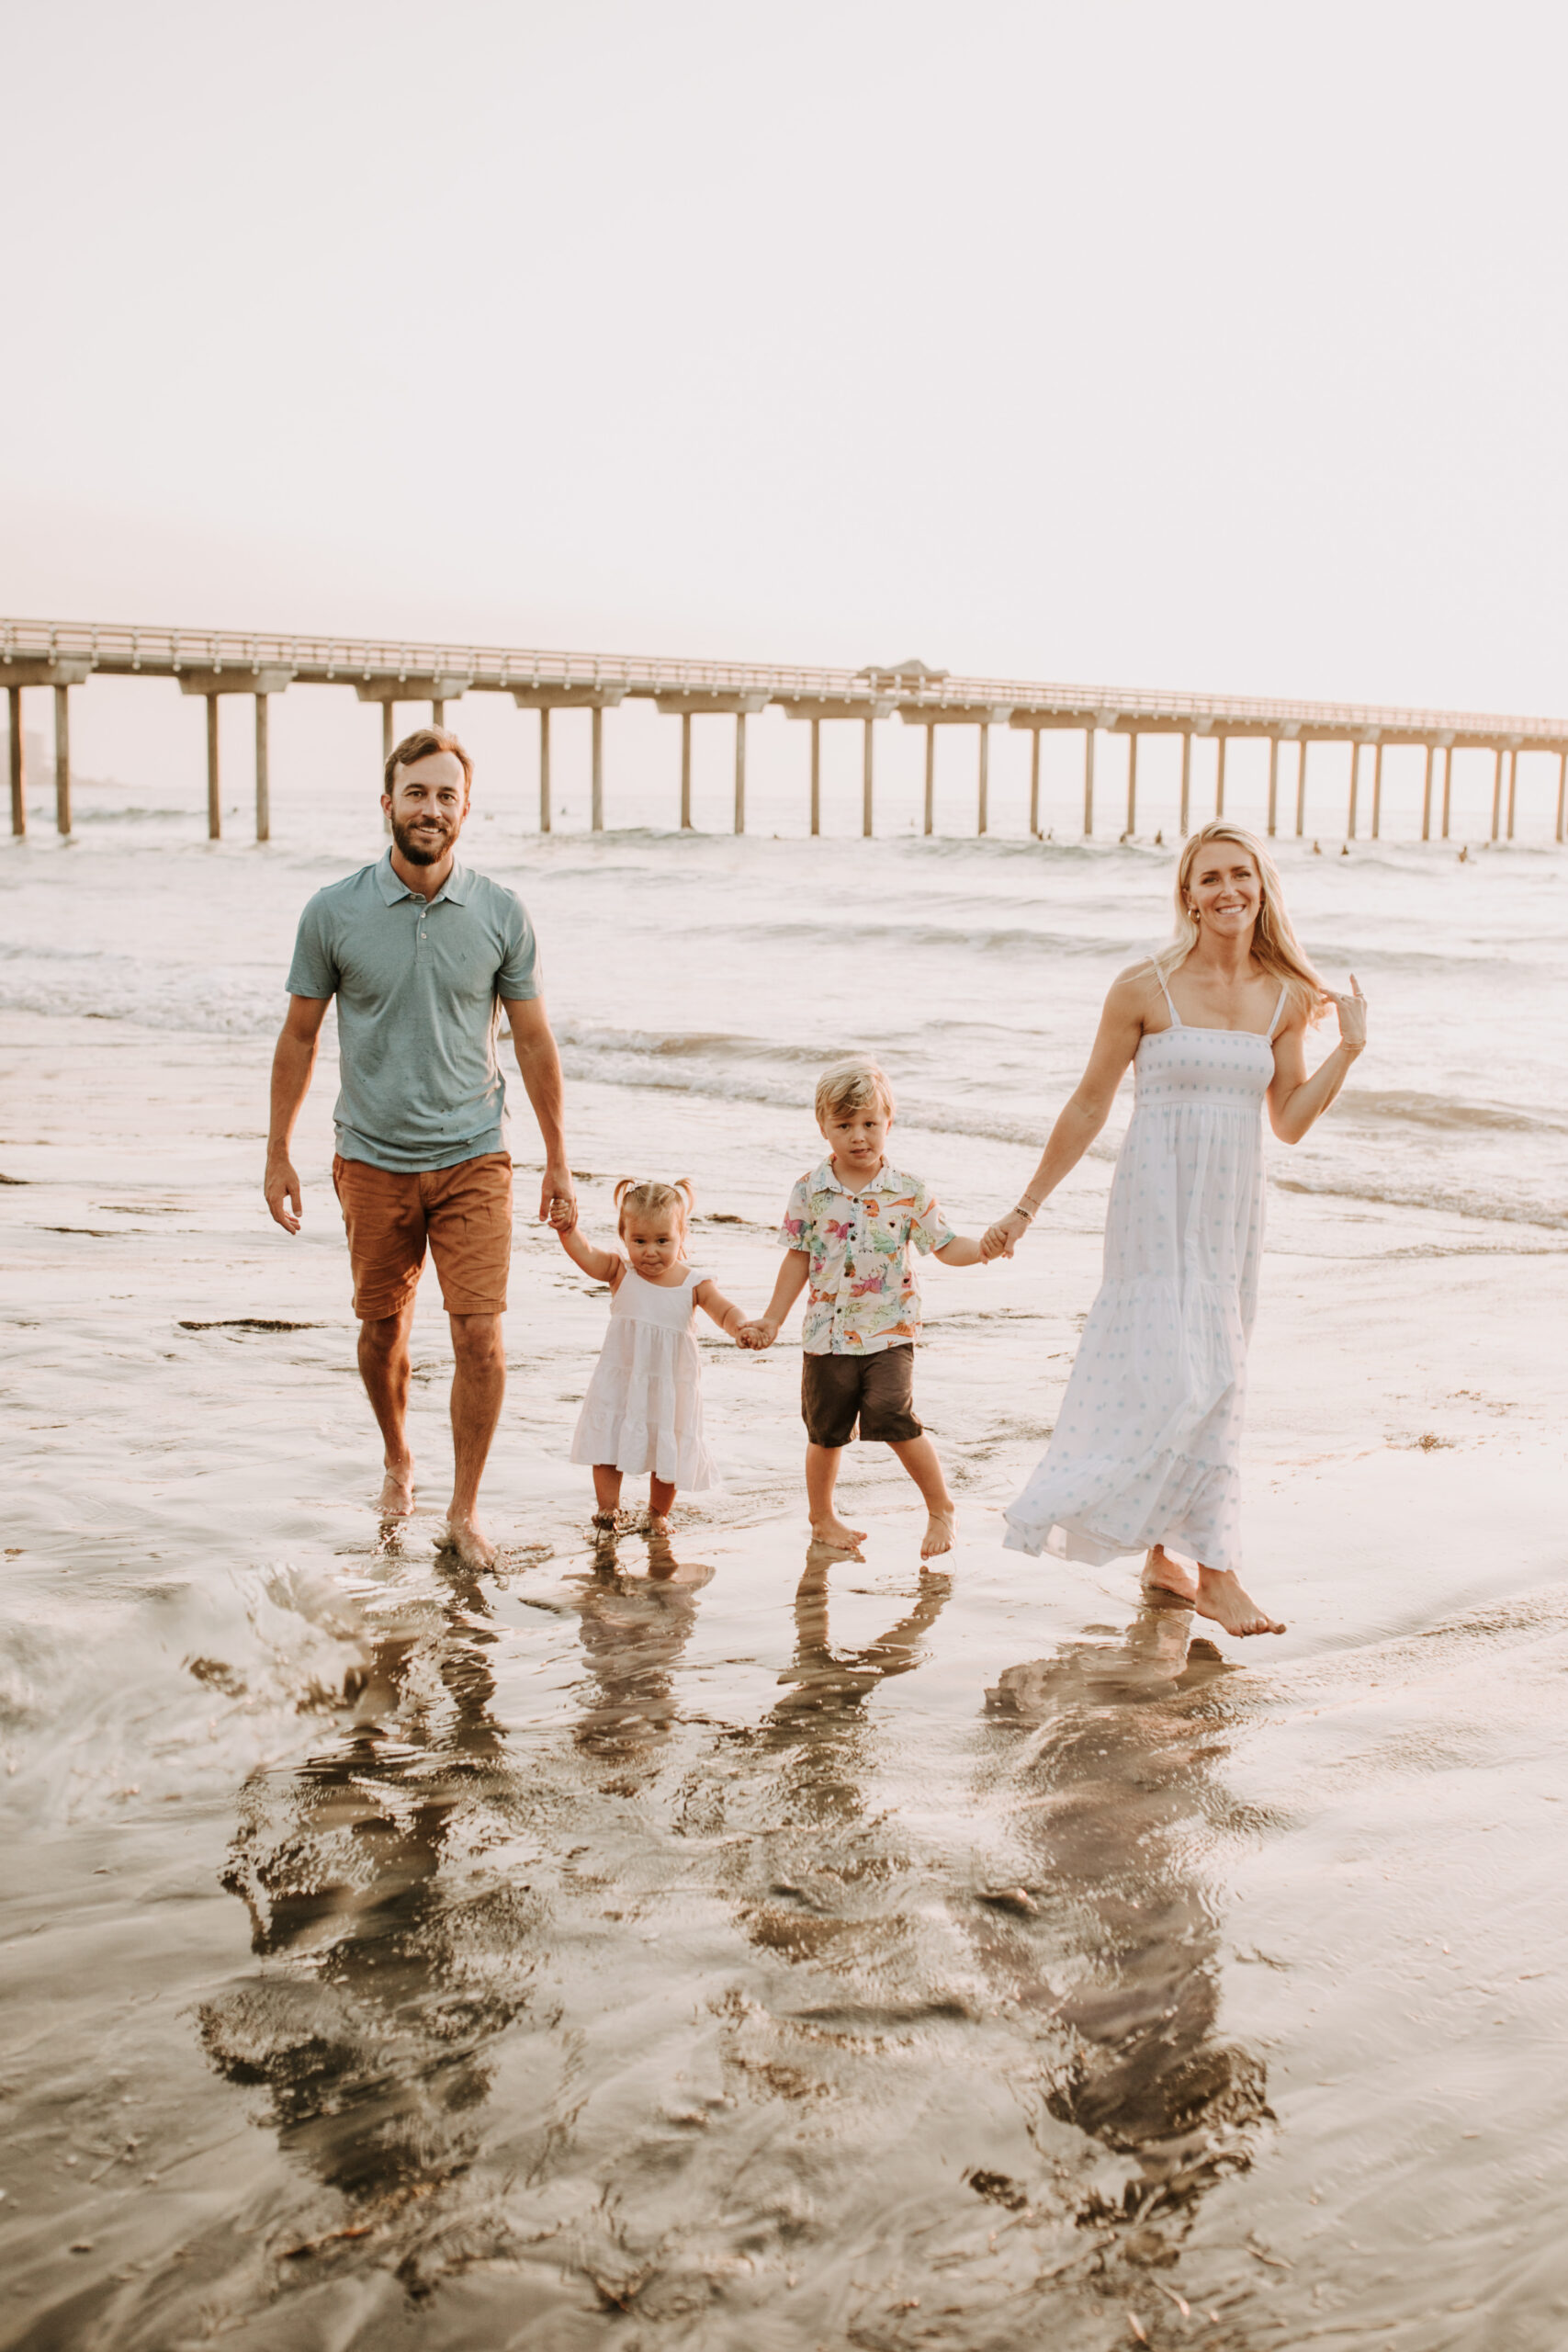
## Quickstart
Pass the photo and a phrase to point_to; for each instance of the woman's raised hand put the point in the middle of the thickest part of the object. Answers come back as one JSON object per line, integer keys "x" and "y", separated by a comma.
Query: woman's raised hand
{"x": 1352, "y": 1012}
{"x": 1000, "y": 1239}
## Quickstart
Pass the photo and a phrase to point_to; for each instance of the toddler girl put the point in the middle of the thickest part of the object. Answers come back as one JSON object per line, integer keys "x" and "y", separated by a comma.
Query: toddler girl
{"x": 644, "y": 1406}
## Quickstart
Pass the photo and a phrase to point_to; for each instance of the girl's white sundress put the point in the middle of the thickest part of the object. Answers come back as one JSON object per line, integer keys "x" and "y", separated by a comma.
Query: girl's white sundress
{"x": 1147, "y": 1447}
{"x": 643, "y": 1406}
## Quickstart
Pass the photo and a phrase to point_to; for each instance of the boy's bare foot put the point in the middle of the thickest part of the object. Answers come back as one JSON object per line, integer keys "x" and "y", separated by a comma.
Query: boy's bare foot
{"x": 835, "y": 1536}
{"x": 397, "y": 1490}
{"x": 941, "y": 1528}
{"x": 1163, "y": 1575}
{"x": 1221, "y": 1597}
{"x": 469, "y": 1541}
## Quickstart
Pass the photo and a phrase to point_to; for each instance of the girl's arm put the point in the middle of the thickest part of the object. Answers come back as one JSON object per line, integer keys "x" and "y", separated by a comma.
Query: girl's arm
{"x": 711, "y": 1299}
{"x": 1296, "y": 1101}
{"x": 786, "y": 1290}
{"x": 1085, "y": 1111}
{"x": 601, "y": 1265}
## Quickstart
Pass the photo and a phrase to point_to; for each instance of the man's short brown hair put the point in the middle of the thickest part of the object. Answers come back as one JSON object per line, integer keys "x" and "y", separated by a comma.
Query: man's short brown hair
{"x": 419, "y": 746}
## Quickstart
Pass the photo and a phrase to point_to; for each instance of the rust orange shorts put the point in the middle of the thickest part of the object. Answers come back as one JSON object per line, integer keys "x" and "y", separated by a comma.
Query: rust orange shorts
{"x": 464, "y": 1213}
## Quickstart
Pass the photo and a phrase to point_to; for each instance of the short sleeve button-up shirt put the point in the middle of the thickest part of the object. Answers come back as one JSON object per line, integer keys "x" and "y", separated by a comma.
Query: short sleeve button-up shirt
{"x": 862, "y": 1294}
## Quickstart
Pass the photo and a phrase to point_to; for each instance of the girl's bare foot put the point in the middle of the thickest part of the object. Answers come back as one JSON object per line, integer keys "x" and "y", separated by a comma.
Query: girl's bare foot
{"x": 1164, "y": 1575}
{"x": 1221, "y": 1597}
{"x": 835, "y": 1535}
{"x": 605, "y": 1522}
{"x": 941, "y": 1528}
{"x": 397, "y": 1490}
{"x": 657, "y": 1524}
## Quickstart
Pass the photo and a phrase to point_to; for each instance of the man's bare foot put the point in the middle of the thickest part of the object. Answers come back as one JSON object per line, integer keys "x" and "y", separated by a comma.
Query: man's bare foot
{"x": 941, "y": 1528}
{"x": 1163, "y": 1575}
{"x": 1222, "y": 1598}
{"x": 834, "y": 1536}
{"x": 397, "y": 1490}
{"x": 473, "y": 1547}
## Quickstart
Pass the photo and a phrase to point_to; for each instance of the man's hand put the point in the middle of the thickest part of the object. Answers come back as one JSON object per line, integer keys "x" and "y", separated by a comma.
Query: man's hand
{"x": 281, "y": 1184}
{"x": 558, "y": 1198}
{"x": 759, "y": 1334}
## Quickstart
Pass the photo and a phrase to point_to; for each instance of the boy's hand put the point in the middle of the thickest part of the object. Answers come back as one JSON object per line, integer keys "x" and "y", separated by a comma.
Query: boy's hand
{"x": 761, "y": 1334}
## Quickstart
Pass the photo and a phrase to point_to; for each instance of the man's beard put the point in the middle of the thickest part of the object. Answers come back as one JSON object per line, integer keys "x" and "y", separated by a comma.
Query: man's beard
{"x": 417, "y": 852}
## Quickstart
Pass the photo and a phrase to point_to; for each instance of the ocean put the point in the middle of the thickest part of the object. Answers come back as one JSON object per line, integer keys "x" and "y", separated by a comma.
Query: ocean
{"x": 695, "y": 1945}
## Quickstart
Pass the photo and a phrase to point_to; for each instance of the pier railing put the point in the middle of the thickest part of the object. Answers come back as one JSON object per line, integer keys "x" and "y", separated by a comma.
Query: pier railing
{"x": 211, "y": 662}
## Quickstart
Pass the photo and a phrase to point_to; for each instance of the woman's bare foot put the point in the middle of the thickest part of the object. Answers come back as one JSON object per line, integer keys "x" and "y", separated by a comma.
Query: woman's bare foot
{"x": 1163, "y": 1575}
{"x": 942, "y": 1526}
{"x": 834, "y": 1536}
{"x": 469, "y": 1541}
{"x": 397, "y": 1490}
{"x": 1221, "y": 1597}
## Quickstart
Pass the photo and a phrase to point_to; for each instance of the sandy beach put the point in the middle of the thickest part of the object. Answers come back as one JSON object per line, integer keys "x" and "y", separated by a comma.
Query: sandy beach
{"x": 705, "y": 1946}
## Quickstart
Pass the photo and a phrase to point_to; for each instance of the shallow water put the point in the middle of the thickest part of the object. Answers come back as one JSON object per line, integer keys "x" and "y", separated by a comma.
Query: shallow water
{"x": 697, "y": 1944}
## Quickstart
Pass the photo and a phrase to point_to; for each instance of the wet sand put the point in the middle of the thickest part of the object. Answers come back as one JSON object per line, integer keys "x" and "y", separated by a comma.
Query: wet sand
{"x": 709, "y": 1945}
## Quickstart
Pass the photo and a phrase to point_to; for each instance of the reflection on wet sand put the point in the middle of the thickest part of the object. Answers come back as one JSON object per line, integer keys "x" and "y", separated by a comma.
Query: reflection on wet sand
{"x": 634, "y": 1629}
{"x": 1112, "y": 1931}
{"x": 384, "y": 1989}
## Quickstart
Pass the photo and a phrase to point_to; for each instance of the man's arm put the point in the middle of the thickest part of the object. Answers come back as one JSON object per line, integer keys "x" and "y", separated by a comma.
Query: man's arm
{"x": 539, "y": 1064}
{"x": 293, "y": 1067}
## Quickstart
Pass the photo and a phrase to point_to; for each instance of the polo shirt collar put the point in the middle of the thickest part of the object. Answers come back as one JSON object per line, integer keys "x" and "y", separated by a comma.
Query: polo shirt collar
{"x": 394, "y": 889}
{"x": 824, "y": 1181}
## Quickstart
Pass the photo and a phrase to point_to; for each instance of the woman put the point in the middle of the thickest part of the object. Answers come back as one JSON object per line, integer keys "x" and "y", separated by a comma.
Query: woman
{"x": 1146, "y": 1452}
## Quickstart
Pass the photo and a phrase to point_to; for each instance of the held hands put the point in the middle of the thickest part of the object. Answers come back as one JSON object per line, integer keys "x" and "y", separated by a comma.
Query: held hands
{"x": 558, "y": 1200}
{"x": 759, "y": 1334}
{"x": 1001, "y": 1239}
{"x": 1352, "y": 1012}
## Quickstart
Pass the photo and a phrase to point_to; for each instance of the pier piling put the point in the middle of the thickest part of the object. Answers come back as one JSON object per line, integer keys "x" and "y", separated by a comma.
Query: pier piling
{"x": 1132, "y": 785}
{"x": 867, "y": 810}
{"x": 18, "y": 765}
{"x": 1088, "y": 784}
{"x": 264, "y": 782}
{"x": 545, "y": 810}
{"x": 62, "y": 761}
{"x": 817, "y": 778}
{"x": 983, "y": 793}
{"x": 1497, "y": 793}
{"x": 1220, "y": 778}
{"x": 686, "y": 773}
{"x": 1513, "y": 785}
{"x": 1186, "y": 781}
{"x": 1033, "y": 783}
{"x": 596, "y": 785}
{"x": 1377, "y": 790}
{"x": 1448, "y": 785}
{"x": 1273, "y": 784}
{"x": 1426, "y": 795}
{"x": 740, "y": 770}
{"x": 930, "y": 779}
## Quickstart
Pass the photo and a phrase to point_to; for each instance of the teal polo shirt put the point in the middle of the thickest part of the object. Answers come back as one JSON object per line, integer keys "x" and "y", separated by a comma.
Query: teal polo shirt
{"x": 419, "y": 989}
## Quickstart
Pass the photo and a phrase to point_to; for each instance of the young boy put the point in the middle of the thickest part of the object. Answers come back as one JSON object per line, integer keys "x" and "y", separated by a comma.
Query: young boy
{"x": 847, "y": 1232}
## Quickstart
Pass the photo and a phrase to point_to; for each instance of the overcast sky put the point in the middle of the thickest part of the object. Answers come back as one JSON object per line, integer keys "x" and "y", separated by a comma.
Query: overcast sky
{"x": 1208, "y": 345}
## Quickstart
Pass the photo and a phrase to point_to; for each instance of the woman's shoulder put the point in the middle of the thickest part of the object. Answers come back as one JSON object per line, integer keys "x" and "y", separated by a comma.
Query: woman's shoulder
{"x": 1131, "y": 990}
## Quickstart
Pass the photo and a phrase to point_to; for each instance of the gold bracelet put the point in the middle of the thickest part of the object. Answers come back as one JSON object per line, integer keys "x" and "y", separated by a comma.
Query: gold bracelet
{"x": 1025, "y": 1210}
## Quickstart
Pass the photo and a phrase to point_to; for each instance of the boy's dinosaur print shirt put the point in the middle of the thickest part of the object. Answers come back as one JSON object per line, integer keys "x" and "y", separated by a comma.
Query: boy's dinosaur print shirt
{"x": 862, "y": 1294}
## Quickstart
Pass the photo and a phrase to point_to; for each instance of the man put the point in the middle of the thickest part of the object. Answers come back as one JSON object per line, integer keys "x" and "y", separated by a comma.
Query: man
{"x": 419, "y": 951}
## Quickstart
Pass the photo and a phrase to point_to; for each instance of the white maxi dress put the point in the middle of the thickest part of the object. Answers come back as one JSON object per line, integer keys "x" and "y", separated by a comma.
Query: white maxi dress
{"x": 643, "y": 1411}
{"x": 1147, "y": 1446}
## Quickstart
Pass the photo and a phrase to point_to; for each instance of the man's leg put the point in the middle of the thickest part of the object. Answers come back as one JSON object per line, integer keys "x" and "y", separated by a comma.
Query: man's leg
{"x": 478, "y": 1384}
{"x": 384, "y": 1368}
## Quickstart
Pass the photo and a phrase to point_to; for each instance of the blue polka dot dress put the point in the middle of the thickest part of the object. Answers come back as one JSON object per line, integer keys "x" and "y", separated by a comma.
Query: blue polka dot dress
{"x": 1148, "y": 1447}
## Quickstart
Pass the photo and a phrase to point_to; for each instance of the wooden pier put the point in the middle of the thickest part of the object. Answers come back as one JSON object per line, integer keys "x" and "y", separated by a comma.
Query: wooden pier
{"x": 62, "y": 655}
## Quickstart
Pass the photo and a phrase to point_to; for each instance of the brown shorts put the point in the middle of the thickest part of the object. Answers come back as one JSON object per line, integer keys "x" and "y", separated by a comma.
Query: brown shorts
{"x": 878, "y": 1390}
{"x": 464, "y": 1212}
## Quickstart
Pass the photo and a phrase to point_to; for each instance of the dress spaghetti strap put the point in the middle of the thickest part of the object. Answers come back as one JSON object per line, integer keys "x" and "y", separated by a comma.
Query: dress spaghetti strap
{"x": 1175, "y": 1016}
{"x": 1279, "y": 1008}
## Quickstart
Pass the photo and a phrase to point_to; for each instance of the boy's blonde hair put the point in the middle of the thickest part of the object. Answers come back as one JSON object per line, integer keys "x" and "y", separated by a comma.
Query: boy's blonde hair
{"x": 850, "y": 1085}
{"x": 646, "y": 1196}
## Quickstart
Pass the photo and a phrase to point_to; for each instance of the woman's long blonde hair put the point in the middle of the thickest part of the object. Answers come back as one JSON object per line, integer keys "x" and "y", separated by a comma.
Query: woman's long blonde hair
{"x": 646, "y": 1196}
{"x": 1274, "y": 942}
